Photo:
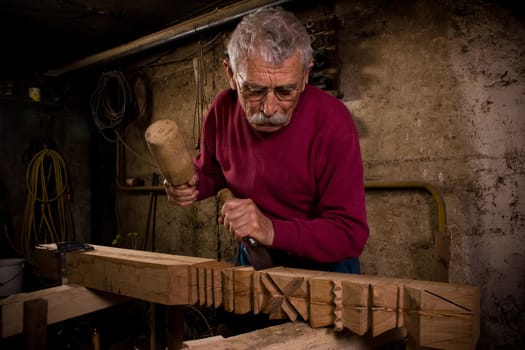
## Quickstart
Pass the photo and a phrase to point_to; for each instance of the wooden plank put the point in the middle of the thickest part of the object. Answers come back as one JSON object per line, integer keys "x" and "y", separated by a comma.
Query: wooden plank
{"x": 441, "y": 315}
{"x": 210, "y": 341}
{"x": 155, "y": 277}
{"x": 64, "y": 302}
{"x": 35, "y": 324}
{"x": 175, "y": 326}
{"x": 288, "y": 336}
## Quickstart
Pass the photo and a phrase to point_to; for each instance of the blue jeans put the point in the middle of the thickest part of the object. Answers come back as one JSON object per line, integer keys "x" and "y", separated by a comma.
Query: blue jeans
{"x": 346, "y": 266}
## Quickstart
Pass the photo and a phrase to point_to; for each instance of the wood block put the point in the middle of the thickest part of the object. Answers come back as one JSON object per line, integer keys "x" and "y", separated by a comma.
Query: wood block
{"x": 155, "y": 277}
{"x": 441, "y": 315}
{"x": 242, "y": 289}
{"x": 35, "y": 324}
{"x": 198, "y": 343}
{"x": 193, "y": 285}
{"x": 47, "y": 262}
{"x": 204, "y": 281}
{"x": 321, "y": 297}
{"x": 321, "y": 300}
{"x": 216, "y": 281}
{"x": 286, "y": 292}
{"x": 356, "y": 306}
{"x": 386, "y": 304}
{"x": 198, "y": 271}
{"x": 287, "y": 336}
{"x": 64, "y": 302}
{"x": 213, "y": 282}
{"x": 260, "y": 298}
{"x": 227, "y": 290}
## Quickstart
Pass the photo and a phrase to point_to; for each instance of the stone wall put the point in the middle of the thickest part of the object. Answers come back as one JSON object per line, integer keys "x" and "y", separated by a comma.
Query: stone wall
{"x": 437, "y": 92}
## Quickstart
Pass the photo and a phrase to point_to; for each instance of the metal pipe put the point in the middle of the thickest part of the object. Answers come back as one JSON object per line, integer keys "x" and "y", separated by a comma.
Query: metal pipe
{"x": 168, "y": 35}
{"x": 395, "y": 185}
{"x": 441, "y": 252}
{"x": 438, "y": 199}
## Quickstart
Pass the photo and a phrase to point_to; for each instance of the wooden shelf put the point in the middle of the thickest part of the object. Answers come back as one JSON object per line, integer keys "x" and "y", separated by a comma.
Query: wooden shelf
{"x": 28, "y": 103}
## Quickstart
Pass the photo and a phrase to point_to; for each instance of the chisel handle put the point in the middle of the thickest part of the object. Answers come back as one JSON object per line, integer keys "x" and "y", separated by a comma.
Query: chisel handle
{"x": 258, "y": 255}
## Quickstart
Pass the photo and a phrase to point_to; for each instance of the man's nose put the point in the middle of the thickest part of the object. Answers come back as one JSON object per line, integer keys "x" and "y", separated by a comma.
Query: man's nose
{"x": 270, "y": 104}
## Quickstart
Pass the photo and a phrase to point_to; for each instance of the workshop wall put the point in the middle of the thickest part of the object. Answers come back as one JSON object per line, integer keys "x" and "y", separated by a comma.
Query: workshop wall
{"x": 437, "y": 92}
{"x": 42, "y": 142}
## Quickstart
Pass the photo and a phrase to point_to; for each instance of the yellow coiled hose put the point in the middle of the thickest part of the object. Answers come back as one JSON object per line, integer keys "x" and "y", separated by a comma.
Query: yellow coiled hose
{"x": 47, "y": 217}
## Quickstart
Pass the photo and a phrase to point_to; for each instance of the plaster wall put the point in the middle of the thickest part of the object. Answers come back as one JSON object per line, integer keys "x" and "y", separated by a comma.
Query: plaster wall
{"x": 437, "y": 92}
{"x": 26, "y": 130}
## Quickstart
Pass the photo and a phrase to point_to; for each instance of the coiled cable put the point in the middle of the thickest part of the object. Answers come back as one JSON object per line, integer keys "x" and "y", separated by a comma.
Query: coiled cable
{"x": 113, "y": 107}
{"x": 113, "y": 103}
{"x": 47, "y": 216}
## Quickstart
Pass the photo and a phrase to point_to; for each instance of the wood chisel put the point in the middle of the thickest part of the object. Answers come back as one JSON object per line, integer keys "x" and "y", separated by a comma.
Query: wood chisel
{"x": 257, "y": 254}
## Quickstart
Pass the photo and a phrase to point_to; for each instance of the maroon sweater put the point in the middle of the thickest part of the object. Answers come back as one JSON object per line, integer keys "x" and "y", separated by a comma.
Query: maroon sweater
{"x": 307, "y": 177}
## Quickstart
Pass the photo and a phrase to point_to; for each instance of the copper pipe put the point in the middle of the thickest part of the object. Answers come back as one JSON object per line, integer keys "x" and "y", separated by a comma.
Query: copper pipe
{"x": 408, "y": 185}
{"x": 441, "y": 253}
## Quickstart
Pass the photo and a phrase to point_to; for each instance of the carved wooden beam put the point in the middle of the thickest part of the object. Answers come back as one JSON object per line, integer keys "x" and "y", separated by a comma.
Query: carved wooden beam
{"x": 435, "y": 314}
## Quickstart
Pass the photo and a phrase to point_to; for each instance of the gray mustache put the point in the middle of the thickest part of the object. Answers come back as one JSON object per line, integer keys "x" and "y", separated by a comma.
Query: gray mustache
{"x": 262, "y": 119}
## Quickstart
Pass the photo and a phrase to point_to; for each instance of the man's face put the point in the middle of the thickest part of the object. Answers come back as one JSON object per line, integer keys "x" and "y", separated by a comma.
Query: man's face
{"x": 268, "y": 94}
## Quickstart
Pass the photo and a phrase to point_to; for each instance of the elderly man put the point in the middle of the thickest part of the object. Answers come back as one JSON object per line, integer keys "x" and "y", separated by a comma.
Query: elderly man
{"x": 287, "y": 150}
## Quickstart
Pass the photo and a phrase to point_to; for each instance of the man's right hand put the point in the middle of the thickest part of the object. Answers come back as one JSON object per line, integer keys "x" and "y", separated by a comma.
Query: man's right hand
{"x": 183, "y": 195}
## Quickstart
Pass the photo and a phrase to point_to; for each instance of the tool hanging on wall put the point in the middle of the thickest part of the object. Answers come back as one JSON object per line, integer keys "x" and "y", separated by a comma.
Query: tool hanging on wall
{"x": 152, "y": 215}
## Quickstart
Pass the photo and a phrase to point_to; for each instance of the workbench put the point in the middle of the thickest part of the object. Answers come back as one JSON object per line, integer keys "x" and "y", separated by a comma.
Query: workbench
{"x": 433, "y": 314}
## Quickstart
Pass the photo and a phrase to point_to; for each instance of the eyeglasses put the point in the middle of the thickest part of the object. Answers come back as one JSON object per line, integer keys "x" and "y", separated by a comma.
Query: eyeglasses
{"x": 282, "y": 93}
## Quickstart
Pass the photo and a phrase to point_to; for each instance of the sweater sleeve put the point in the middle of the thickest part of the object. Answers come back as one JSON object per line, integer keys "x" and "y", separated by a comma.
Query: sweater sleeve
{"x": 337, "y": 229}
{"x": 211, "y": 178}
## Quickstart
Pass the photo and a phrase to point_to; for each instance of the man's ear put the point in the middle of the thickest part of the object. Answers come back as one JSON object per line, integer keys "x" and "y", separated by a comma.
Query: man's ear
{"x": 229, "y": 74}
{"x": 309, "y": 69}
{"x": 307, "y": 73}
{"x": 306, "y": 76}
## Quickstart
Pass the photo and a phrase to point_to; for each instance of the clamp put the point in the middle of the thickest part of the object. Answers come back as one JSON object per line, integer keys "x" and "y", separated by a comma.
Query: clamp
{"x": 66, "y": 247}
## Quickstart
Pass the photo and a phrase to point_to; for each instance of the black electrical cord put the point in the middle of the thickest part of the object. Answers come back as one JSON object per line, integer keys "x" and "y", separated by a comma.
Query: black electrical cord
{"x": 114, "y": 106}
{"x": 113, "y": 103}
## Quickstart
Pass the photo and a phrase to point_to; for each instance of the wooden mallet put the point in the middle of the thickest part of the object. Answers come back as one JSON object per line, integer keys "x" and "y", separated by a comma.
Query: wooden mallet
{"x": 168, "y": 148}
